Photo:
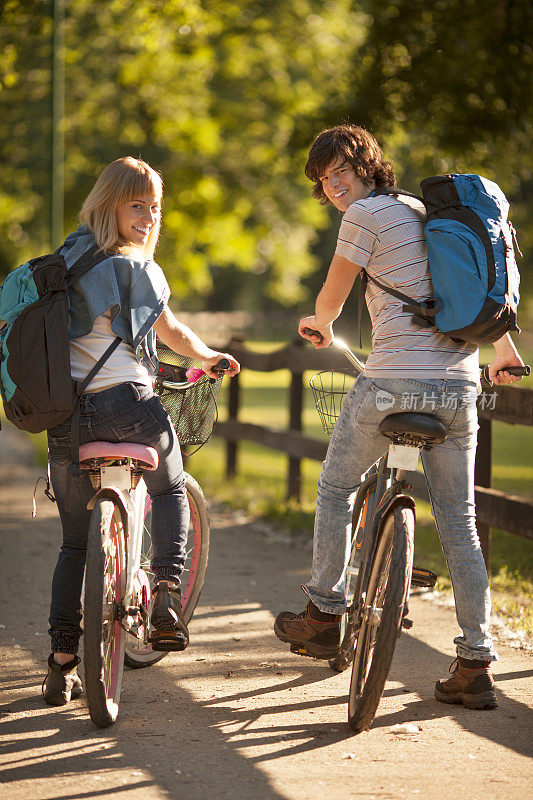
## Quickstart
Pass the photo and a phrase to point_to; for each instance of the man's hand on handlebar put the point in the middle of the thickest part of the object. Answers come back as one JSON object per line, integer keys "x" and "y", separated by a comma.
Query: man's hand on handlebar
{"x": 228, "y": 367}
{"x": 308, "y": 324}
{"x": 497, "y": 372}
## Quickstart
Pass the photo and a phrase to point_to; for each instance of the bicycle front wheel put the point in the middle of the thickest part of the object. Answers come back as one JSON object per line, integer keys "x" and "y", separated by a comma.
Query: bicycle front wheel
{"x": 361, "y": 513}
{"x": 139, "y": 653}
{"x": 103, "y": 632}
{"x": 382, "y": 614}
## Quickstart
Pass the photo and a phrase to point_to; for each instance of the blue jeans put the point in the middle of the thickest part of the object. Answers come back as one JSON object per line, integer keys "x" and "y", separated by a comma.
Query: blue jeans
{"x": 128, "y": 412}
{"x": 356, "y": 444}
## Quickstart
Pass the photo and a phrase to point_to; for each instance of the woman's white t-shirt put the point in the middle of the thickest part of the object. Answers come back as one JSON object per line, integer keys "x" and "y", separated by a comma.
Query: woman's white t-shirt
{"x": 121, "y": 366}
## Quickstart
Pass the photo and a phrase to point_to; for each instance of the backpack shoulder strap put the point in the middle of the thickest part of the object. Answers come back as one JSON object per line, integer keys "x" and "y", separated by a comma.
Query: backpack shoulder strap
{"x": 423, "y": 312}
{"x": 395, "y": 192}
{"x": 89, "y": 259}
{"x": 412, "y": 305}
{"x": 80, "y": 387}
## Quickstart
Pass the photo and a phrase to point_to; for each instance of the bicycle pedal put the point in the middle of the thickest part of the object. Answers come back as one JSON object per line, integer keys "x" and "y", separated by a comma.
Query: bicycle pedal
{"x": 423, "y": 577}
{"x": 299, "y": 650}
{"x": 407, "y": 623}
{"x": 166, "y": 643}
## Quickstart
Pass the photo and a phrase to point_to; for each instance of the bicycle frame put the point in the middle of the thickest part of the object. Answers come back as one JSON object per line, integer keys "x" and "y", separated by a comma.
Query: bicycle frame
{"x": 116, "y": 486}
{"x": 388, "y": 490}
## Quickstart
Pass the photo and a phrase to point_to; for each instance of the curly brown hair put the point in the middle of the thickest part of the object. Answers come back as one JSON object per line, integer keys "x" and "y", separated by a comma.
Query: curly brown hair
{"x": 358, "y": 148}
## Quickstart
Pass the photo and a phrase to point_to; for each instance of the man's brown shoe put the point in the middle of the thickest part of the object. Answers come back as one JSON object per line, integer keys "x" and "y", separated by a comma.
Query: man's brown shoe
{"x": 308, "y": 636}
{"x": 62, "y": 683}
{"x": 472, "y": 685}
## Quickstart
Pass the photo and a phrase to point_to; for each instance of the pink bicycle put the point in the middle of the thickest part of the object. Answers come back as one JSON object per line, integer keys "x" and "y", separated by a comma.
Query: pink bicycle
{"x": 116, "y": 612}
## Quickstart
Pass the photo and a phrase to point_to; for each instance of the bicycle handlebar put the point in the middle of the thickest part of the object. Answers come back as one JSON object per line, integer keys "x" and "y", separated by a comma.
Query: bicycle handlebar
{"x": 524, "y": 371}
{"x": 222, "y": 365}
{"x": 342, "y": 346}
{"x": 193, "y": 375}
{"x": 311, "y": 332}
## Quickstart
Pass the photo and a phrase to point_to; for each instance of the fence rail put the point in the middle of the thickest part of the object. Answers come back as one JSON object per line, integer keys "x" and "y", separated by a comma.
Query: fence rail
{"x": 503, "y": 403}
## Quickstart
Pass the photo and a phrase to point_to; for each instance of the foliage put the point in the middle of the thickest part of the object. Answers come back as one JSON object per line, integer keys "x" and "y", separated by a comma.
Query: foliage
{"x": 446, "y": 87}
{"x": 25, "y": 129}
{"x": 455, "y": 76}
{"x": 225, "y": 98}
{"x": 209, "y": 93}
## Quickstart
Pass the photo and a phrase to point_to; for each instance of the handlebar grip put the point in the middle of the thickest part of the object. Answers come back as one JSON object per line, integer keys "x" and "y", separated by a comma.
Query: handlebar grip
{"x": 222, "y": 365}
{"x": 520, "y": 372}
{"x": 311, "y": 332}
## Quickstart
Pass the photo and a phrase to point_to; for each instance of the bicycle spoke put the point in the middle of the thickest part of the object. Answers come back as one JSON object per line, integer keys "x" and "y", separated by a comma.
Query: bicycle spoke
{"x": 139, "y": 652}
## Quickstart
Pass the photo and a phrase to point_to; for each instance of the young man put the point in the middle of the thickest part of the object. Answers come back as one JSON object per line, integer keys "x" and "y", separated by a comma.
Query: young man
{"x": 384, "y": 235}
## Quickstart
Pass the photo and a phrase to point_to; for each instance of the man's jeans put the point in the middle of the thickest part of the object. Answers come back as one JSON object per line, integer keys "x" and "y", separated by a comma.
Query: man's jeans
{"x": 128, "y": 412}
{"x": 356, "y": 444}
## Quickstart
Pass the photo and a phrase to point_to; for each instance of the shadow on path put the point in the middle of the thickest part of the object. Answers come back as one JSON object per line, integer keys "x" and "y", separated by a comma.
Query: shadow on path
{"x": 195, "y": 726}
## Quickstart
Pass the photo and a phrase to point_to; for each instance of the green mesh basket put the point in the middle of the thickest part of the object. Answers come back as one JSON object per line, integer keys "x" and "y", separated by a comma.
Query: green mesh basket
{"x": 329, "y": 390}
{"x": 193, "y": 411}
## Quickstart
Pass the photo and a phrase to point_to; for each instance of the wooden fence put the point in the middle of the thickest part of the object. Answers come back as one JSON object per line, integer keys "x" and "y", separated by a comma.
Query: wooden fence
{"x": 507, "y": 404}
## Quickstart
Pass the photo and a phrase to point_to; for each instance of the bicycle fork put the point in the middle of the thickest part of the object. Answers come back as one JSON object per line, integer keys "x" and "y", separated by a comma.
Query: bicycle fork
{"x": 360, "y": 611}
{"x": 131, "y": 503}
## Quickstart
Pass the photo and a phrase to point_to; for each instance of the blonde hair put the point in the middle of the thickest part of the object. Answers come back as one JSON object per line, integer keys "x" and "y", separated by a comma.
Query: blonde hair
{"x": 121, "y": 181}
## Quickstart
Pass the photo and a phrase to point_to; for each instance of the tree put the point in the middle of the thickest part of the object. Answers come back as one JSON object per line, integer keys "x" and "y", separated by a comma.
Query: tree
{"x": 446, "y": 87}
{"x": 25, "y": 129}
{"x": 209, "y": 93}
{"x": 455, "y": 75}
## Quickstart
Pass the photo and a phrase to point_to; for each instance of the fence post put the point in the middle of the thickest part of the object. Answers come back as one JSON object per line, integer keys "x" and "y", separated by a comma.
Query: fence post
{"x": 483, "y": 477}
{"x": 294, "y": 477}
{"x": 233, "y": 409}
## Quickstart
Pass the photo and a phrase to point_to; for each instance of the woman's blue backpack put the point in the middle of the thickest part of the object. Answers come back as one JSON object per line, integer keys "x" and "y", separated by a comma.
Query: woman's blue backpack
{"x": 471, "y": 259}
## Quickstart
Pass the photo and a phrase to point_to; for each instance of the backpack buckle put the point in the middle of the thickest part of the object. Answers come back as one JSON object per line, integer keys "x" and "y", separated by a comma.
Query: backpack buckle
{"x": 424, "y": 312}
{"x": 431, "y": 306}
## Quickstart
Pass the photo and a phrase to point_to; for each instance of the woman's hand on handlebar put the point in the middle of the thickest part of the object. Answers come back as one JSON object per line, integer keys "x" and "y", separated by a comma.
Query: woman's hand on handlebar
{"x": 233, "y": 368}
{"x": 308, "y": 324}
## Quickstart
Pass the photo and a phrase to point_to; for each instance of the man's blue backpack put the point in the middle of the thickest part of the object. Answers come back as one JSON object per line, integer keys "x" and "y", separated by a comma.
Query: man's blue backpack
{"x": 471, "y": 259}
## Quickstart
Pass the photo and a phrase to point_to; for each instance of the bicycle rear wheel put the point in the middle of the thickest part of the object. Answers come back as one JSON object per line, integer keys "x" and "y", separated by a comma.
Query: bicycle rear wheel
{"x": 103, "y": 632}
{"x": 139, "y": 653}
{"x": 387, "y": 593}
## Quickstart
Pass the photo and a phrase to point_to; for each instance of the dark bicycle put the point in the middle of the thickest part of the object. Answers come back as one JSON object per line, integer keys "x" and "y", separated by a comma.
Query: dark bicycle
{"x": 380, "y": 570}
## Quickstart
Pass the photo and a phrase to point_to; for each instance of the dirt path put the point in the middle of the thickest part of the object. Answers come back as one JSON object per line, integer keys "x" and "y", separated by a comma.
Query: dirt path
{"x": 236, "y": 715}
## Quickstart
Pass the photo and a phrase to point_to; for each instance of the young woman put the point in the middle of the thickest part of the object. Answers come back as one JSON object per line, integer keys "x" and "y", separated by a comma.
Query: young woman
{"x": 124, "y": 295}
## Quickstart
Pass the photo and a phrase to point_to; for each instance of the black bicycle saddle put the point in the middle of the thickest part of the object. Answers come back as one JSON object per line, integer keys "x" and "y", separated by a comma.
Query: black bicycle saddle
{"x": 406, "y": 425}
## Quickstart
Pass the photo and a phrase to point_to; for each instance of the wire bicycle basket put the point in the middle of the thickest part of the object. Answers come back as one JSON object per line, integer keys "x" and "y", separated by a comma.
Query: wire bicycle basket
{"x": 329, "y": 390}
{"x": 193, "y": 411}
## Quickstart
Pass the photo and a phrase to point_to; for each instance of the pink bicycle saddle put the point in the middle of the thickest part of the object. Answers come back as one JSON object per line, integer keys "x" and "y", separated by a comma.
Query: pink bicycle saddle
{"x": 140, "y": 452}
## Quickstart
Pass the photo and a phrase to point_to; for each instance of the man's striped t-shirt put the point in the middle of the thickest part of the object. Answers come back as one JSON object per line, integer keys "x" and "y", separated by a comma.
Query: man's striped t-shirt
{"x": 385, "y": 236}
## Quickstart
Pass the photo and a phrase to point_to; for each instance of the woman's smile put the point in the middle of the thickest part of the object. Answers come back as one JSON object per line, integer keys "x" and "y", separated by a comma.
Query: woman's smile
{"x": 137, "y": 217}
